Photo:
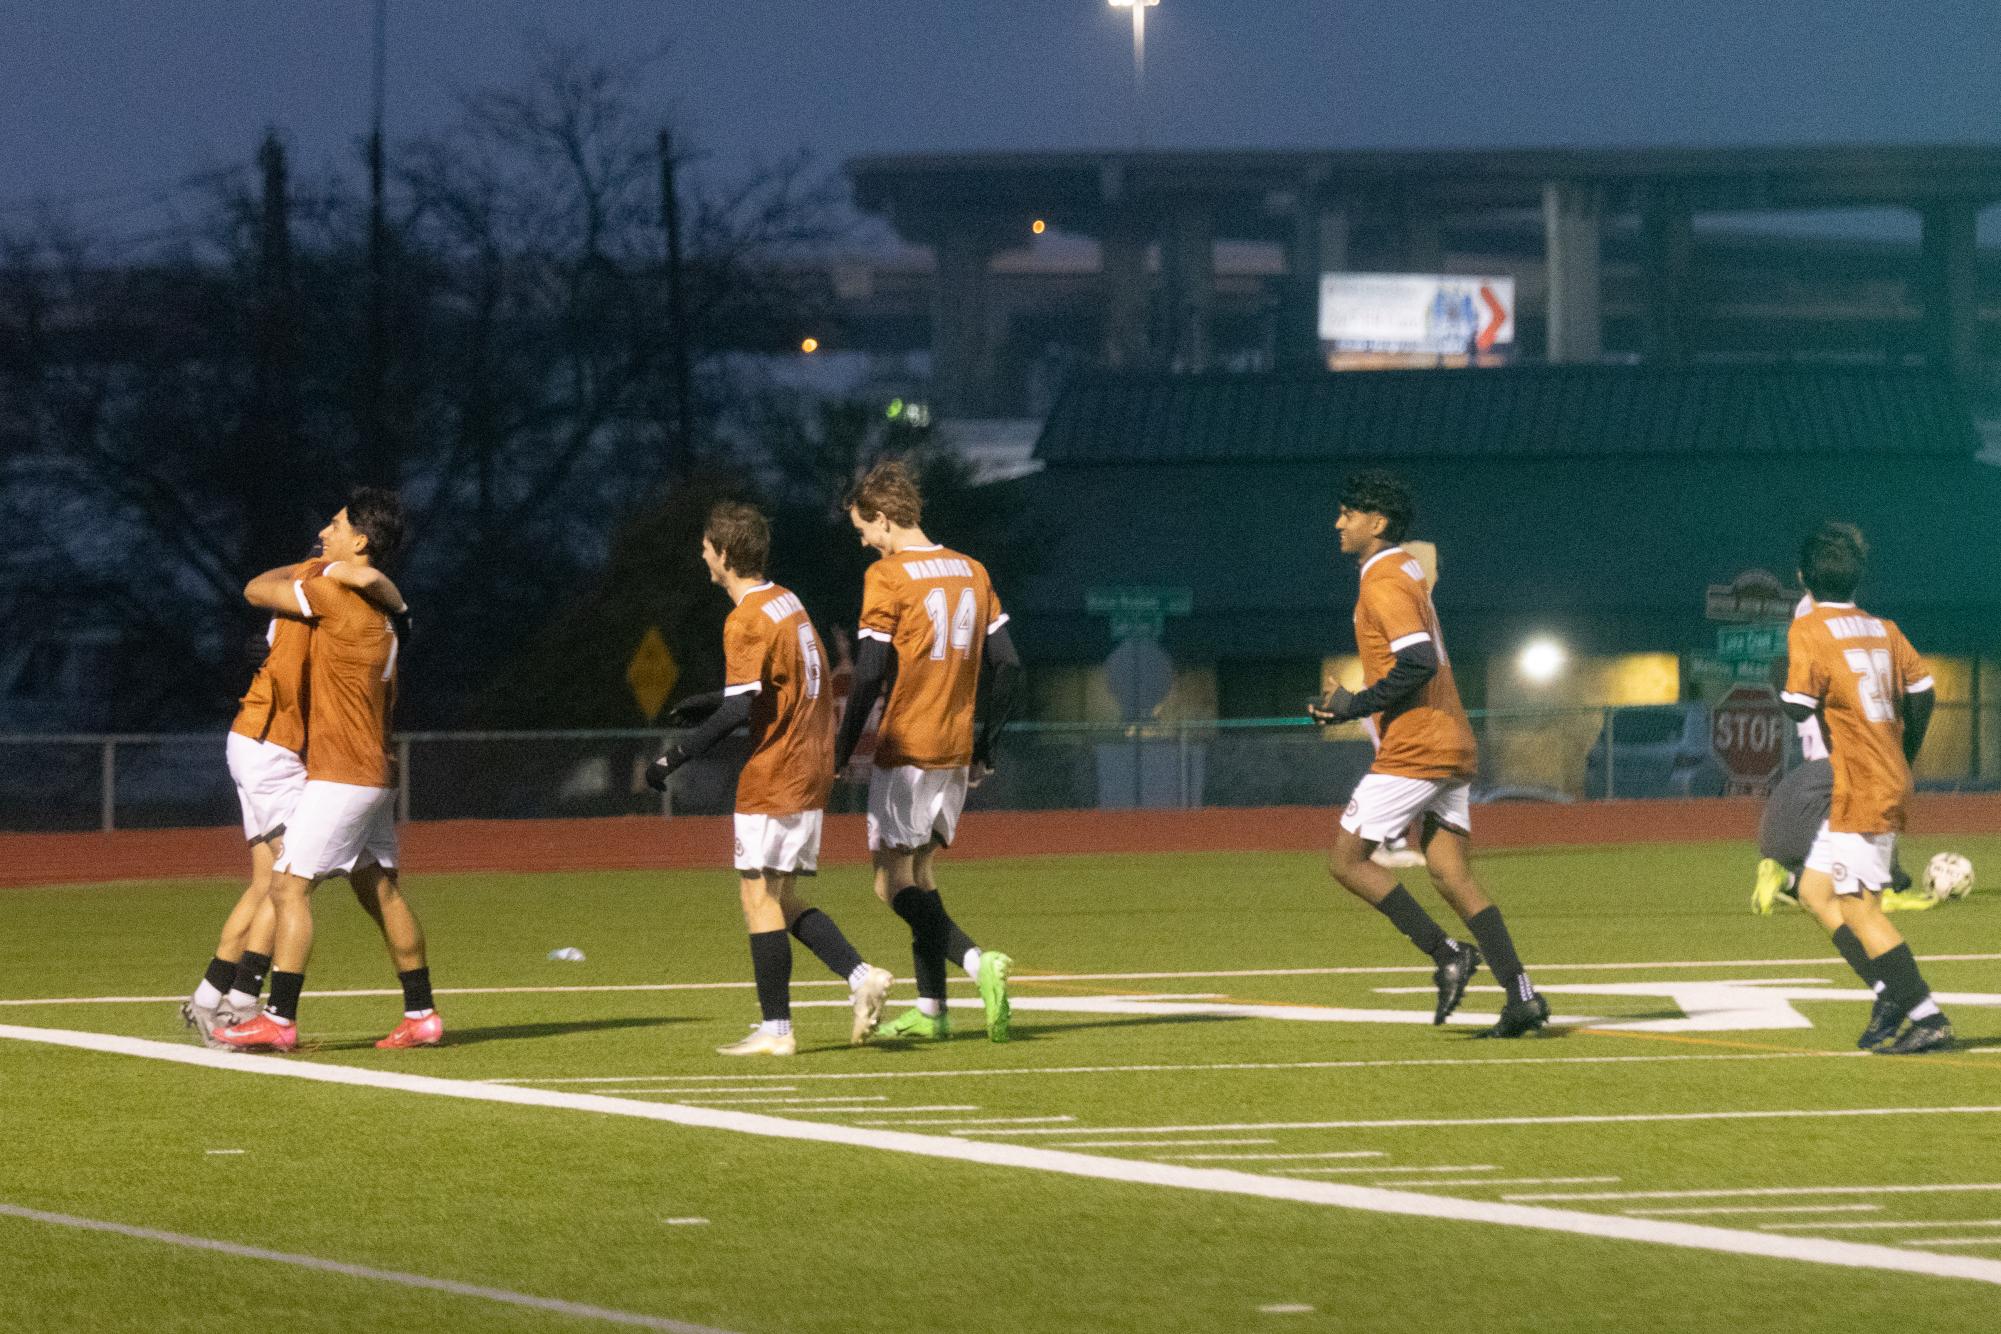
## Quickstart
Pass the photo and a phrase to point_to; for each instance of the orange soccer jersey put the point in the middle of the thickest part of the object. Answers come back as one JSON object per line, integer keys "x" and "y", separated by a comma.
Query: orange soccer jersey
{"x": 273, "y": 709}
{"x": 1427, "y": 736}
{"x": 935, "y": 608}
{"x": 353, "y": 684}
{"x": 1856, "y": 669}
{"x": 769, "y": 648}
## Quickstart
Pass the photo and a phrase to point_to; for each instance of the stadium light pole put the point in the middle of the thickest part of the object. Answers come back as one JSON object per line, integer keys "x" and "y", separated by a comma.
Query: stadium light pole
{"x": 1139, "y": 8}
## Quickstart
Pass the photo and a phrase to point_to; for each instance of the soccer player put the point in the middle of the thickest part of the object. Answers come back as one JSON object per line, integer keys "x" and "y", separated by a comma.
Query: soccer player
{"x": 1874, "y": 699}
{"x": 1787, "y": 827}
{"x": 776, "y": 681}
{"x": 263, "y": 754}
{"x": 345, "y": 820}
{"x": 932, "y": 627}
{"x": 1424, "y": 764}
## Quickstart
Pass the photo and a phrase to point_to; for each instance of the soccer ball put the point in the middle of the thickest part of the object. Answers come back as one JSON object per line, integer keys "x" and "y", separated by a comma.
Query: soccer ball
{"x": 1948, "y": 876}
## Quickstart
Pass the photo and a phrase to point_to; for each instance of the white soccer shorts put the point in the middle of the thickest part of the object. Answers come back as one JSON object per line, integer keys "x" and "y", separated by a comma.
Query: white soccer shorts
{"x": 339, "y": 826}
{"x": 269, "y": 780}
{"x": 1385, "y": 804}
{"x": 784, "y": 844}
{"x": 911, "y": 808}
{"x": 1855, "y": 862}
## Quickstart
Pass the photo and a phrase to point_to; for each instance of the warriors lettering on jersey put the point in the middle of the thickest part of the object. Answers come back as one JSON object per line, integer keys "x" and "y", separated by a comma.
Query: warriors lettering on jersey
{"x": 771, "y": 652}
{"x": 1428, "y": 735}
{"x": 780, "y": 606}
{"x": 1855, "y": 669}
{"x": 935, "y": 608}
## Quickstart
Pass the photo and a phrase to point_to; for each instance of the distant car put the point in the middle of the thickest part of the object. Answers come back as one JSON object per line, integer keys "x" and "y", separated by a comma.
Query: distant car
{"x": 1654, "y": 751}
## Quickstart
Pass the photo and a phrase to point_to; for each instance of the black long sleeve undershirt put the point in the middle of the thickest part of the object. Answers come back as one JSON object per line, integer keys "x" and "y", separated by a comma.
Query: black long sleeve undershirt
{"x": 998, "y": 697}
{"x": 1414, "y": 666}
{"x": 873, "y": 664}
{"x": 731, "y": 714}
{"x": 1917, "y": 720}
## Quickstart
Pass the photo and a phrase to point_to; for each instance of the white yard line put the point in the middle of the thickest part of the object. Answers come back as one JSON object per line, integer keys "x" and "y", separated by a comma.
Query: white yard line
{"x": 1208, "y": 1067}
{"x": 961, "y": 1120}
{"x": 765, "y": 1102}
{"x": 1377, "y": 1169}
{"x": 1025, "y": 978}
{"x": 882, "y": 1111}
{"x": 1099, "y": 1167}
{"x": 1748, "y": 1192}
{"x": 1628, "y": 1118}
{"x": 1506, "y": 1181}
{"x": 1249, "y": 1157}
{"x": 577, "y": 1310}
{"x": 1951, "y": 1241}
{"x": 1909, "y": 1224}
{"x": 1154, "y": 1144}
{"x": 1772, "y": 1209}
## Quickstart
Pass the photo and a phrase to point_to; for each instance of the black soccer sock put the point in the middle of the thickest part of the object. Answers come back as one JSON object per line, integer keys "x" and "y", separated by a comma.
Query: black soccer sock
{"x": 285, "y": 989}
{"x": 927, "y": 939}
{"x": 1413, "y": 921}
{"x": 771, "y": 964}
{"x": 957, "y": 942}
{"x": 250, "y": 970}
{"x": 1499, "y": 948}
{"x": 1902, "y": 983}
{"x": 416, "y": 989}
{"x": 220, "y": 974}
{"x": 1855, "y": 956}
{"x": 817, "y": 932}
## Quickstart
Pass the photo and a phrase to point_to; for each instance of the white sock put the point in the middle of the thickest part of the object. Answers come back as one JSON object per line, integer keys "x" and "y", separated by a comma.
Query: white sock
{"x": 240, "y": 1000}
{"x": 206, "y": 996}
{"x": 926, "y": 1005}
{"x": 777, "y": 1028}
{"x": 278, "y": 1019}
{"x": 859, "y": 976}
{"x": 1876, "y": 987}
{"x": 1924, "y": 1009}
{"x": 971, "y": 963}
{"x": 418, "y": 1014}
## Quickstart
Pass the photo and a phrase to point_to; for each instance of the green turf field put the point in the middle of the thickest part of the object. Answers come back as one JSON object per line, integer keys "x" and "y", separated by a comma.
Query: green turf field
{"x": 1210, "y": 1119}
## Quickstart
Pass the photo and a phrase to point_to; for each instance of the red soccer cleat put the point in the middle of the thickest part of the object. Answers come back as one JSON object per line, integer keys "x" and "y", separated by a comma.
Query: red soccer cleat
{"x": 426, "y": 1032}
{"x": 260, "y": 1034}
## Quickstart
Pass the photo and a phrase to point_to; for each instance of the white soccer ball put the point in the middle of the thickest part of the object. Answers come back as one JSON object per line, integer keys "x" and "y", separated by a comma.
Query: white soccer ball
{"x": 1948, "y": 876}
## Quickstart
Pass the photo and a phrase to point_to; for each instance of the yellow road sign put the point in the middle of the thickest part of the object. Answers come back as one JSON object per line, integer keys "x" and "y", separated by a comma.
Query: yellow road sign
{"x": 652, "y": 673}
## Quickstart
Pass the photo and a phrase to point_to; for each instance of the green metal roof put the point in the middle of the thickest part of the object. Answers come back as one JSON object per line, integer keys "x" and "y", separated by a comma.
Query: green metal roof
{"x": 1513, "y": 412}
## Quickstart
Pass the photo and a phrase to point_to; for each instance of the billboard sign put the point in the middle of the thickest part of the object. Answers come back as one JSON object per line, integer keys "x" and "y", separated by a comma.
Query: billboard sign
{"x": 1445, "y": 315}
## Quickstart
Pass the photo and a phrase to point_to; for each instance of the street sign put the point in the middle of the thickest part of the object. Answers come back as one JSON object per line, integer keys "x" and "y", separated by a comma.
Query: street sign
{"x": 1138, "y": 612}
{"x": 652, "y": 673}
{"x": 1748, "y": 733}
{"x": 1750, "y": 643}
{"x": 1754, "y": 595}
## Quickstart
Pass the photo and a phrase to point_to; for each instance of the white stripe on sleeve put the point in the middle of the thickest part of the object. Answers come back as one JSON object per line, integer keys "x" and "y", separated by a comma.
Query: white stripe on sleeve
{"x": 1399, "y": 645}
{"x": 1806, "y": 700}
{"x": 1918, "y": 687}
{"x": 867, "y": 633}
{"x": 299, "y": 592}
{"x": 998, "y": 622}
{"x": 747, "y": 688}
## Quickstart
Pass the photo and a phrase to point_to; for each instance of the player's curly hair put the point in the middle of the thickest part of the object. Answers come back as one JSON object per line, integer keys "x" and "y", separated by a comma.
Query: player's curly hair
{"x": 1832, "y": 560}
{"x": 741, "y": 535}
{"x": 1380, "y": 491}
{"x": 889, "y": 489}
{"x": 377, "y": 514}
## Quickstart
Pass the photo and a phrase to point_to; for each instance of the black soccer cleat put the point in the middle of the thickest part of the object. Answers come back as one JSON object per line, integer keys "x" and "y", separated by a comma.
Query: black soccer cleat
{"x": 1454, "y": 971}
{"x": 1519, "y": 1017}
{"x": 1932, "y": 1034}
{"x": 1885, "y": 1018}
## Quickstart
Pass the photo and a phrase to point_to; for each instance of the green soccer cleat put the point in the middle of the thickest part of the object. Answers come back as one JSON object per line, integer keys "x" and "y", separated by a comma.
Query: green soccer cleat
{"x": 914, "y": 1023}
{"x": 994, "y": 970}
{"x": 1907, "y": 900}
{"x": 1773, "y": 884}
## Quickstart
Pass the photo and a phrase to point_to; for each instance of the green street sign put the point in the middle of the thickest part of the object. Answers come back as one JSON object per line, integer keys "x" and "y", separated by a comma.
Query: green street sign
{"x": 1138, "y": 611}
{"x": 1750, "y": 643}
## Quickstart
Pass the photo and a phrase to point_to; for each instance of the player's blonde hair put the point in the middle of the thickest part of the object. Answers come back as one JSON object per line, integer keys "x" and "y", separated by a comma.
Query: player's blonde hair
{"x": 888, "y": 489}
{"x": 741, "y": 536}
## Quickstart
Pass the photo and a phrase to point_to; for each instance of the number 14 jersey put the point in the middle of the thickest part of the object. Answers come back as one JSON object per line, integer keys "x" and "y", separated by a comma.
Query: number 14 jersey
{"x": 1856, "y": 669}
{"x": 935, "y": 608}
{"x": 771, "y": 653}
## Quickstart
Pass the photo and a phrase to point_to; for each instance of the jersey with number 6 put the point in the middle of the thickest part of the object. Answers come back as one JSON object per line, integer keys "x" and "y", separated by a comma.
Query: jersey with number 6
{"x": 935, "y": 608}
{"x": 1426, "y": 736}
{"x": 771, "y": 653}
{"x": 1856, "y": 669}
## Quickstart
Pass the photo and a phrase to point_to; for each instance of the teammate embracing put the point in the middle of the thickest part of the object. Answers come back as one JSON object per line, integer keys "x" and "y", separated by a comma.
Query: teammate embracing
{"x": 933, "y": 629}
{"x": 775, "y": 681}
{"x": 1873, "y": 697}
{"x": 1424, "y": 764}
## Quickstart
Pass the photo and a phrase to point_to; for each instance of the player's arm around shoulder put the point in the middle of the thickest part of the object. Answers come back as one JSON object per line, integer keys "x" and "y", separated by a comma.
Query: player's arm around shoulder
{"x": 280, "y": 590}
{"x": 370, "y": 582}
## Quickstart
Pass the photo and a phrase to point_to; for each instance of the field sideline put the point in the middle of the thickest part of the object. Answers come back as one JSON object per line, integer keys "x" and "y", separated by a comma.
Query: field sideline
{"x": 1225, "y": 1109}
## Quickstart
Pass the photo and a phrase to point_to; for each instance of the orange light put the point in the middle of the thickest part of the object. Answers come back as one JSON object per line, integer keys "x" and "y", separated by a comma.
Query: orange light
{"x": 1038, "y": 226}
{"x": 810, "y": 346}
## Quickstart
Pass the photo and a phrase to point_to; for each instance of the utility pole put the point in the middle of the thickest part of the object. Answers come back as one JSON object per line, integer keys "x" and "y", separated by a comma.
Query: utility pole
{"x": 681, "y": 451}
{"x": 377, "y": 465}
{"x": 268, "y": 447}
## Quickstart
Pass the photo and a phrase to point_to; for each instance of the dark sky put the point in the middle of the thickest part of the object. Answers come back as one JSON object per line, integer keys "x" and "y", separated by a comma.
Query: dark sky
{"x": 115, "y": 95}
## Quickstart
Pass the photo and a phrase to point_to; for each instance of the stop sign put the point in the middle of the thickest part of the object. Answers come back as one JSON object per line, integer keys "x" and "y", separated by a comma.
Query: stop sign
{"x": 1748, "y": 733}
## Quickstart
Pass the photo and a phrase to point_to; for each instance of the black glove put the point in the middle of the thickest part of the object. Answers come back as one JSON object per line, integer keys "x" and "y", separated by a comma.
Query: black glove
{"x": 664, "y": 764}
{"x": 694, "y": 709}
{"x": 1336, "y": 706}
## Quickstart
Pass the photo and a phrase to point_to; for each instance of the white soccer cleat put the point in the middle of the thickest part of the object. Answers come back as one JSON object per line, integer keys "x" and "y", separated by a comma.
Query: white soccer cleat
{"x": 207, "y": 1021}
{"x": 761, "y": 1043}
{"x": 868, "y": 999}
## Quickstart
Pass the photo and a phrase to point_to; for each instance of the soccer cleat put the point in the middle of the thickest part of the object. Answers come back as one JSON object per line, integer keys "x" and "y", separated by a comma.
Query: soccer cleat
{"x": 207, "y": 1021}
{"x": 1519, "y": 1017}
{"x": 426, "y": 1032}
{"x": 761, "y": 1043}
{"x": 1396, "y": 854}
{"x": 914, "y": 1023}
{"x": 994, "y": 970}
{"x": 1885, "y": 1017}
{"x": 261, "y": 1034}
{"x": 868, "y": 999}
{"x": 1907, "y": 900}
{"x": 1932, "y": 1034}
{"x": 1772, "y": 885}
{"x": 1454, "y": 971}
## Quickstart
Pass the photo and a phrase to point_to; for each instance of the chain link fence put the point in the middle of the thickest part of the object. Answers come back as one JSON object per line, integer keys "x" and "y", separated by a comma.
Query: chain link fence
{"x": 137, "y": 781}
